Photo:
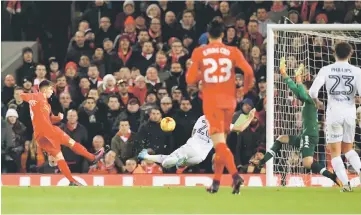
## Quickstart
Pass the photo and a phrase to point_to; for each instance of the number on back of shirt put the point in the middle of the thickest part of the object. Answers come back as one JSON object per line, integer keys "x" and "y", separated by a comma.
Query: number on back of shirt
{"x": 347, "y": 85}
{"x": 223, "y": 64}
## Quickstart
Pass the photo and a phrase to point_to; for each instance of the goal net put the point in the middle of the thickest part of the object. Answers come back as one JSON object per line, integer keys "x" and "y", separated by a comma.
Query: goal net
{"x": 313, "y": 48}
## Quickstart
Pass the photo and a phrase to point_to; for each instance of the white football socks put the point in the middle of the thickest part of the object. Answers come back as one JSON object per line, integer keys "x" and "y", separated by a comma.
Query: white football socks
{"x": 156, "y": 158}
{"x": 339, "y": 169}
{"x": 354, "y": 160}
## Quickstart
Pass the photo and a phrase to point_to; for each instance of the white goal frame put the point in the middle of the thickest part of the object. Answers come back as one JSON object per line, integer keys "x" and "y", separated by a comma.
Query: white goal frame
{"x": 270, "y": 76}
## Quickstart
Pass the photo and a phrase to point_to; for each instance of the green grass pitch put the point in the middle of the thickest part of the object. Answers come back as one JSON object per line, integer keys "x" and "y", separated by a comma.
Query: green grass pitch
{"x": 177, "y": 200}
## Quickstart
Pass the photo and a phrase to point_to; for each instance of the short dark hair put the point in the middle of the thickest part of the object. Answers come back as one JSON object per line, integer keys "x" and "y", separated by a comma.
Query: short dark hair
{"x": 90, "y": 98}
{"x": 343, "y": 50}
{"x": 254, "y": 21}
{"x": 60, "y": 76}
{"x": 215, "y": 29}
{"x": 123, "y": 119}
{"x": 113, "y": 96}
{"x": 40, "y": 64}
{"x": 154, "y": 109}
{"x": 262, "y": 7}
{"x": 188, "y": 11}
{"x": 185, "y": 98}
{"x": 45, "y": 83}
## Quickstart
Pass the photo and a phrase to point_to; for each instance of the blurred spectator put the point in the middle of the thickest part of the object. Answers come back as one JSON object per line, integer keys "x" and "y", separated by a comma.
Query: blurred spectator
{"x": 49, "y": 167}
{"x": 185, "y": 119}
{"x": 108, "y": 87}
{"x": 131, "y": 166}
{"x": 124, "y": 93}
{"x": 263, "y": 20}
{"x": 294, "y": 17}
{"x": 170, "y": 26}
{"x": 245, "y": 47}
{"x": 123, "y": 55}
{"x": 155, "y": 31}
{"x": 253, "y": 162}
{"x": 78, "y": 47}
{"x": 143, "y": 36}
{"x": 140, "y": 89}
{"x": 113, "y": 111}
{"x": 240, "y": 26}
{"x": 84, "y": 64}
{"x": 66, "y": 103}
{"x": 177, "y": 77}
{"x": 94, "y": 78}
{"x": 177, "y": 53}
{"x": 255, "y": 37}
{"x": 140, "y": 23}
{"x": 151, "y": 79}
{"x": 99, "y": 60}
{"x": 177, "y": 95}
{"x": 28, "y": 67}
{"x": 14, "y": 148}
{"x": 28, "y": 86}
{"x": 54, "y": 69}
{"x": 128, "y": 11}
{"x": 40, "y": 72}
{"x": 32, "y": 158}
{"x": 278, "y": 11}
{"x": 23, "y": 111}
{"x": 150, "y": 102}
{"x": 105, "y": 30}
{"x": 95, "y": 11}
{"x": 231, "y": 38}
{"x": 92, "y": 118}
{"x": 334, "y": 14}
{"x": 105, "y": 166}
{"x": 354, "y": 14}
{"x": 161, "y": 63}
{"x": 123, "y": 143}
{"x": 83, "y": 25}
{"x": 7, "y": 92}
{"x": 150, "y": 135}
{"x": 166, "y": 107}
{"x": 78, "y": 133}
{"x": 71, "y": 73}
{"x": 146, "y": 57}
{"x": 132, "y": 114}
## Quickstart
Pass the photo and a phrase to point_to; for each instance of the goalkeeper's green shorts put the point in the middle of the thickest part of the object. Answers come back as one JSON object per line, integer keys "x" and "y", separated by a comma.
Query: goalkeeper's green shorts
{"x": 305, "y": 143}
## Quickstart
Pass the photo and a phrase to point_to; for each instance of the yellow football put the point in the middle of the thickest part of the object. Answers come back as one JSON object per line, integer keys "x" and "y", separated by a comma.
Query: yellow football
{"x": 167, "y": 124}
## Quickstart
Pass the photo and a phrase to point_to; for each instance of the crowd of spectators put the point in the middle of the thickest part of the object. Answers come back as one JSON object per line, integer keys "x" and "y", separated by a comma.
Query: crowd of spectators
{"x": 123, "y": 68}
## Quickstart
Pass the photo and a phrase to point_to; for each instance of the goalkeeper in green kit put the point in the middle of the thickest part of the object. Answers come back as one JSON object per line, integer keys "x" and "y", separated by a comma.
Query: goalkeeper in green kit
{"x": 308, "y": 139}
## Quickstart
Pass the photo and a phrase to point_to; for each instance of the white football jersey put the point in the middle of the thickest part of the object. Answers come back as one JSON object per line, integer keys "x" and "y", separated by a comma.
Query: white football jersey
{"x": 342, "y": 81}
{"x": 201, "y": 133}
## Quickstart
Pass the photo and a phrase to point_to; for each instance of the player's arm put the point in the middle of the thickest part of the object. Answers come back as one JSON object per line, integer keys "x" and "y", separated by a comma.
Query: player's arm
{"x": 239, "y": 127}
{"x": 246, "y": 68}
{"x": 316, "y": 86}
{"x": 192, "y": 76}
{"x": 299, "y": 90}
{"x": 27, "y": 96}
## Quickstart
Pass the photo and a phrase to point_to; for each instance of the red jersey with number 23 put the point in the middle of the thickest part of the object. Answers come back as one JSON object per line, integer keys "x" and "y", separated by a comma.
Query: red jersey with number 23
{"x": 215, "y": 64}
{"x": 40, "y": 114}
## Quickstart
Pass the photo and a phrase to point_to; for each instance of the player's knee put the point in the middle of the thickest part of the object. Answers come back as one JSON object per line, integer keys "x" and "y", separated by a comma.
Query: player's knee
{"x": 307, "y": 162}
{"x": 283, "y": 138}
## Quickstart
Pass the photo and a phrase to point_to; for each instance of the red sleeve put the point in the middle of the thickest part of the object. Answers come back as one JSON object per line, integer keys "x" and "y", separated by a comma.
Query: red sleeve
{"x": 192, "y": 76}
{"x": 28, "y": 96}
{"x": 246, "y": 68}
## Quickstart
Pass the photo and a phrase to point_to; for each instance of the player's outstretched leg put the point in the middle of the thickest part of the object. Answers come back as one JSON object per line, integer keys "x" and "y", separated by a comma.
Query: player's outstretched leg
{"x": 64, "y": 168}
{"x": 143, "y": 155}
{"x": 283, "y": 139}
{"x": 81, "y": 150}
{"x": 339, "y": 167}
{"x": 218, "y": 167}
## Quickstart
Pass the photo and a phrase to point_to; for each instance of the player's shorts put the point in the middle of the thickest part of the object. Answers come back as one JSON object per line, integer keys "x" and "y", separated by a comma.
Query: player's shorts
{"x": 219, "y": 119}
{"x": 340, "y": 129}
{"x": 51, "y": 141}
{"x": 305, "y": 143}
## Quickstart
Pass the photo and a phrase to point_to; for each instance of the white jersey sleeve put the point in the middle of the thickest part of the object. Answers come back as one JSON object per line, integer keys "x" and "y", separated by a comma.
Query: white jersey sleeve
{"x": 200, "y": 130}
{"x": 317, "y": 84}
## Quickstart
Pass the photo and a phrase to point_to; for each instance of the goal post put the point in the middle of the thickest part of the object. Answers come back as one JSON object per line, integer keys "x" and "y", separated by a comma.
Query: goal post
{"x": 310, "y": 44}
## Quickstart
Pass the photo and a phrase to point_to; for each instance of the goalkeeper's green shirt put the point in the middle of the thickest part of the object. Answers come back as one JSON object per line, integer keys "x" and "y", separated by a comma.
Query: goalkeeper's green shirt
{"x": 309, "y": 109}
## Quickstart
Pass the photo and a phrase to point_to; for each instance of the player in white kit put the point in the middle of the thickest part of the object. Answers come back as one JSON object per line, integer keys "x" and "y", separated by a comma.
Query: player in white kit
{"x": 193, "y": 152}
{"x": 342, "y": 81}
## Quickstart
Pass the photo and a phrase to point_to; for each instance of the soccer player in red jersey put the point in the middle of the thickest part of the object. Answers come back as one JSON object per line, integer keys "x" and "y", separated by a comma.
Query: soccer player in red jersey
{"x": 50, "y": 137}
{"x": 214, "y": 64}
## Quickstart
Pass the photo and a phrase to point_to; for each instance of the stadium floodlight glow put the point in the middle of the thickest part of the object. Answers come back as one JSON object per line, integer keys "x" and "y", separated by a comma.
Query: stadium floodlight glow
{"x": 312, "y": 45}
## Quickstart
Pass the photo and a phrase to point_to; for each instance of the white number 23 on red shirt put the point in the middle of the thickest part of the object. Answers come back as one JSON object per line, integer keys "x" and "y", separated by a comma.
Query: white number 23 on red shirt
{"x": 225, "y": 66}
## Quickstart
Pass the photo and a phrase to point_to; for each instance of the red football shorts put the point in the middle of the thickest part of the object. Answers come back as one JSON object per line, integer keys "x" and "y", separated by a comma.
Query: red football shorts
{"x": 51, "y": 142}
{"x": 219, "y": 119}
